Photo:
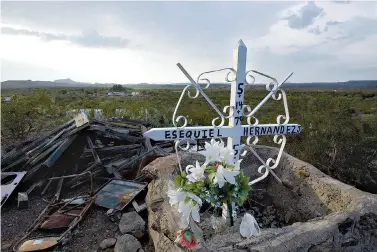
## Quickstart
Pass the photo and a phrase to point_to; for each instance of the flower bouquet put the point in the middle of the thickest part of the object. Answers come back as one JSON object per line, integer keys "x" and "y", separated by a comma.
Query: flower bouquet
{"x": 217, "y": 181}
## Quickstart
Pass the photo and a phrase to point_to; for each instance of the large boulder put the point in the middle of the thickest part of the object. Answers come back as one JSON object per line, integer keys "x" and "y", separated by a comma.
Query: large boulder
{"x": 162, "y": 221}
{"x": 321, "y": 213}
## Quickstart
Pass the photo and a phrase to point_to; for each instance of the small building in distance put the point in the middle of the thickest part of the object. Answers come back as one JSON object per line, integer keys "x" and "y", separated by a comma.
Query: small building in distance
{"x": 7, "y": 99}
{"x": 116, "y": 94}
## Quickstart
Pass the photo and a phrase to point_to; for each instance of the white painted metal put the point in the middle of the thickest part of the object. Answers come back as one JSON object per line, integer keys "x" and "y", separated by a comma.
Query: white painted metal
{"x": 204, "y": 132}
{"x": 237, "y": 98}
{"x": 237, "y": 110}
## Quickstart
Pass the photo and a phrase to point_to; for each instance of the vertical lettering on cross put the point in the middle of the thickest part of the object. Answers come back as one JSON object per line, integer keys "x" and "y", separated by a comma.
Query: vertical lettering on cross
{"x": 237, "y": 97}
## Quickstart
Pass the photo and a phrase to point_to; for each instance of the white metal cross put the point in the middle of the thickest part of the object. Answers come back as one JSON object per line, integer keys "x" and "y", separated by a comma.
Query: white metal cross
{"x": 235, "y": 130}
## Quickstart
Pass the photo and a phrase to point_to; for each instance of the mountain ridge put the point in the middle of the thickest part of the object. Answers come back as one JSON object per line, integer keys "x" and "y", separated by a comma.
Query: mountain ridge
{"x": 69, "y": 83}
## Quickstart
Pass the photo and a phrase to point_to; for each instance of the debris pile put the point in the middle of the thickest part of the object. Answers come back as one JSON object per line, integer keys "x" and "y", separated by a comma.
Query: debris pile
{"x": 104, "y": 156}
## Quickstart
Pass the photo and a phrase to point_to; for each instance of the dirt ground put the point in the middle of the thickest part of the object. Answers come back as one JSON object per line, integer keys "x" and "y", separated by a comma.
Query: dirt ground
{"x": 87, "y": 236}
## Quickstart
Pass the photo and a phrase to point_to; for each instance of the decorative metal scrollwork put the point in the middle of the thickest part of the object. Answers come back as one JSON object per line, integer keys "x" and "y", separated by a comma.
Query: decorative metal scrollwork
{"x": 275, "y": 92}
{"x": 268, "y": 166}
{"x": 178, "y": 145}
{"x": 199, "y": 90}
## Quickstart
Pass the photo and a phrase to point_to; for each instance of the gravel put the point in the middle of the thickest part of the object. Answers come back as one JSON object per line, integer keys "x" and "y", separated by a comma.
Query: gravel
{"x": 87, "y": 236}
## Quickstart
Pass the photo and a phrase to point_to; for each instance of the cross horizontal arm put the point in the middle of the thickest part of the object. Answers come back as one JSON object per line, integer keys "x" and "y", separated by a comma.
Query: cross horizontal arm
{"x": 204, "y": 132}
{"x": 158, "y": 134}
{"x": 270, "y": 129}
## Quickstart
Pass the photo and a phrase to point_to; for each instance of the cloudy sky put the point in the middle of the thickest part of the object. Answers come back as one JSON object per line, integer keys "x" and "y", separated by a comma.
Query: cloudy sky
{"x": 133, "y": 42}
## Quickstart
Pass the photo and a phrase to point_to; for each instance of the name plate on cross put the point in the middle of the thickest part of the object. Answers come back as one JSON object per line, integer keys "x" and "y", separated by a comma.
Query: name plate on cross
{"x": 206, "y": 132}
{"x": 235, "y": 112}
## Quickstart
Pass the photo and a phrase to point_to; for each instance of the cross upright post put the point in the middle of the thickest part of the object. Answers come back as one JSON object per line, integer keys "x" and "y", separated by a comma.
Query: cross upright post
{"x": 236, "y": 104}
{"x": 237, "y": 96}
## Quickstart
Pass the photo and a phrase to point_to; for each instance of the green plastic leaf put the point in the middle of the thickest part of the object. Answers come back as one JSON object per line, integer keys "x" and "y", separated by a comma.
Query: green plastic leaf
{"x": 178, "y": 180}
{"x": 183, "y": 174}
{"x": 211, "y": 176}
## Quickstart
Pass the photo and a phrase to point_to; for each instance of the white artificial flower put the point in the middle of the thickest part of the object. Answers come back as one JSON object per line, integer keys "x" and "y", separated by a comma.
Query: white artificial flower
{"x": 212, "y": 151}
{"x": 196, "y": 173}
{"x": 224, "y": 175}
{"x": 184, "y": 208}
{"x": 249, "y": 226}
{"x": 195, "y": 198}
{"x": 195, "y": 213}
{"x": 237, "y": 165}
{"x": 227, "y": 155}
{"x": 175, "y": 196}
{"x": 187, "y": 210}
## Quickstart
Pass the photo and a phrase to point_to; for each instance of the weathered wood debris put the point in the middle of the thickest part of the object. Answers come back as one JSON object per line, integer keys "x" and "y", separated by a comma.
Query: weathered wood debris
{"x": 106, "y": 149}
{"x": 102, "y": 155}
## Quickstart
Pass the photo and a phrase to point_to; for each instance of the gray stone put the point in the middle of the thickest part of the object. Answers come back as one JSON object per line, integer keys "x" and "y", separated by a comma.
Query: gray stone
{"x": 107, "y": 243}
{"x": 132, "y": 223}
{"x": 322, "y": 214}
{"x": 127, "y": 243}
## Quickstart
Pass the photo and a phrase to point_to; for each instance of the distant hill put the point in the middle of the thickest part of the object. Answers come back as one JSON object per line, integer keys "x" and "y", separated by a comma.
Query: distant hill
{"x": 46, "y": 84}
{"x": 352, "y": 84}
{"x": 65, "y": 81}
{"x": 349, "y": 85}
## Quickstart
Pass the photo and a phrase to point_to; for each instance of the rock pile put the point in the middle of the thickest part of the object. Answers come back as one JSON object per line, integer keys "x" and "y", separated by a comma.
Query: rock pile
{"x": 315, "y": 212}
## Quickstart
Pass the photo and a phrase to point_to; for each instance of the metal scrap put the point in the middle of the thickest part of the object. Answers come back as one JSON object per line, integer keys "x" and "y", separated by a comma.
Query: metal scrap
{"x": 60, "y": 219}
{"x": 56, "y": 216}
{"x": 117, "y": 194}
{"x": 9, "y": 182}
{"x": 38, "y": 244}
{"x": 138, "y": 207}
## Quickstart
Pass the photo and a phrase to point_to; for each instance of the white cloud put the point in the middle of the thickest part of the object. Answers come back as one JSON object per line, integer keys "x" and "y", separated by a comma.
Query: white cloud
{"x": 95, "y": 64}
{"x": 149, "y": 38}
{"x": 327, "y": 35}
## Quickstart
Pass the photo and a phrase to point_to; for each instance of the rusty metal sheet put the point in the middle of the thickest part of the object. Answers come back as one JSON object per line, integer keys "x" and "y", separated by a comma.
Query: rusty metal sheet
{"x": 117, "y": 193}
{"x": 35, "y": 244}
{"x": 39, "y": 244}
{"x": 60, "y": 220}
{"x": 9, "y": 181}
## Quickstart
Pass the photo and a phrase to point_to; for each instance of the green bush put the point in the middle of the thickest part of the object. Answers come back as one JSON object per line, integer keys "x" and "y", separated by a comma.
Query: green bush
{"x": 26, "y": 114}
{"x": 333, "y": 139}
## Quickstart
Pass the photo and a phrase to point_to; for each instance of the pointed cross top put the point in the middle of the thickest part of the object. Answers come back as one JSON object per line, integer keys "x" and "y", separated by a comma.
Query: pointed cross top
{"x": 240, "y": 43}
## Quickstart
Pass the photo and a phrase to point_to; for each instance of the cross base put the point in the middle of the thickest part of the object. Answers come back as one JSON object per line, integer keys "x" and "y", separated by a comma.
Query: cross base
{"x": 227, "y": 213}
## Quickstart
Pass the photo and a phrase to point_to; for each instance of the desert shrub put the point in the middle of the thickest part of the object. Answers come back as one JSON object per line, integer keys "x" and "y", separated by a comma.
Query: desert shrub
{"x": 342, "y": 145}
{"x": 26, "y": 114}
{"x": 108, "y": 107}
